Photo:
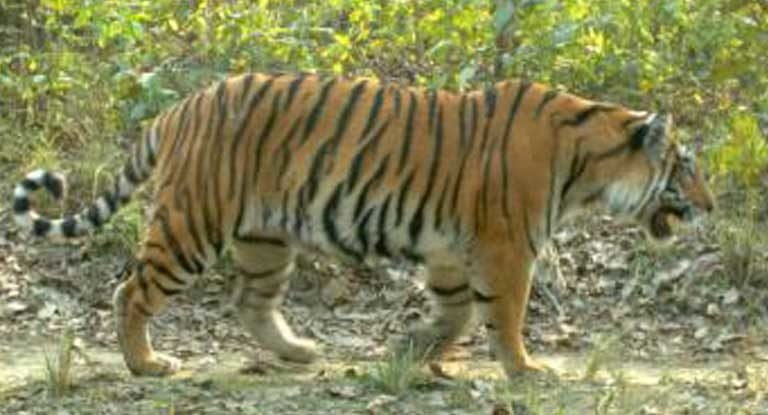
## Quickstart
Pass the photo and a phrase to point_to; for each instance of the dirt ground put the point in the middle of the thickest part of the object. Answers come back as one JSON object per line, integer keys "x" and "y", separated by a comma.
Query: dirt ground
{"x": 628, "y": 329}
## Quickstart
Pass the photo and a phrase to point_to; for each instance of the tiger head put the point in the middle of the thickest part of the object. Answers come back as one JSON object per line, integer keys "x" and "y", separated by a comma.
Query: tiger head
{"x": 645, "y": 176}
{"x": 676, "y": 191}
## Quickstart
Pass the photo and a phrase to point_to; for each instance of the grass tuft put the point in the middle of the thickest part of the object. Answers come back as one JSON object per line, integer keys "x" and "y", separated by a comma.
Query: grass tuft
{"x": 742, "y": 242}
{"x": 606, "y": 355}
{"x": 398, "y": 373}
{"x": 58, "y": 366}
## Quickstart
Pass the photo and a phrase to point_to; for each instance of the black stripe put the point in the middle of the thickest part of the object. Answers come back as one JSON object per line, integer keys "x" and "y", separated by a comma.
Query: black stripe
{"x": 433, "y": 95}
{"x": 139, "y": 306}
{"x": 94, "y": 216}
{"x": 408, "y": 133}
{"x": 149, "y": 153}
{"x": 69, "y": 227}
{"x": 189, "y": 133}
{"x": 578, "y": 165}
{"x": 293, "y": 87}
{"x": 53, "y": 185}
{"x": 41, "y": 227}
{"x": 548, "y": 97}
{"x": 317, "y": 109}
{"x": 504, "y": 154}
{"x": 404, "y": 188}
{"x": 164, "y": 271}
{"x": 143, "y": 285}
{"x": 486, "y": 127}
{"x": 447, "y": 292}
{"x": 439, "y": 209}
{"x": 362, "y": 230}
{"x": 29, "y": 185}
{"x": 411, "y": 255}
{"x": 473, "y": 123}
{"x": 551, "y": 194}
{"x": 242, "y": 127}
{"x": 378, "y": 99}
{"x": 191, "y": 266}
{"x": 398, "y": 100}
{"x": 490, "y": 100}
{"x": 257, "y": 239}
{"x": 417, "y": 221}
{"x": 265, "y": 135}
{"x": 129, "y": 174}
{"x": 285, "y": 152}
{"x": 357, "y": 162}
{"x": 206, "y": 164}
{"x": 284, "y": 211}
{"x": 308, "y": 190}
{"x": 584, "y": 115}
{"x": 529, "y": 234}
{"x": 168, "y": 292}
{"x": 478, "y": 211}
{"x": 110, "y": 198}
{"x": 613, "y": 151}
{"x": 462, "y": 122}
{"x": 191, "y": 224}
{"x": 343, "y": 120}
{"x": 488, "y": 163}
{"x": 637, "y": 139}
{"x": 457, "y": 186}
{"x": 329, "y": 224}
{"x": 464, "y": 158}
{"x": 20, "y": 205}
{"x": 375, "y": 178}
{"x": 381, "y": 244}
{"x": 483, "y": 298}
{"x": 245, "y": 87}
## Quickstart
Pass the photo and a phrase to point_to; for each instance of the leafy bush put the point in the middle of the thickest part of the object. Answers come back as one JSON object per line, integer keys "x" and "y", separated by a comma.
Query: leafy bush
{"x": 79, "y": 71}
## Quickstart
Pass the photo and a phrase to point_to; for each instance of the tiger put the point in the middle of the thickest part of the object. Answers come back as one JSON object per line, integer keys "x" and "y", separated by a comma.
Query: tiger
{"x": 470, "y": 185}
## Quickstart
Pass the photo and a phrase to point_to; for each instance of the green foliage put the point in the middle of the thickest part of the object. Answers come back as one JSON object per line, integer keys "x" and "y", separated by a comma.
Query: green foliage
{"x": 745, "y": 155}
{"x": 76, "y": 73}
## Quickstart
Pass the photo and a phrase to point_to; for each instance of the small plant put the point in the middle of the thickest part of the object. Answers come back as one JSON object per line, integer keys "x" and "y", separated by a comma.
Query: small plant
{"x": 742, "y": 243}
{"x": 604, "y": 356}
{"x": 58, "y": 366}
{"x": 397, "y": 373}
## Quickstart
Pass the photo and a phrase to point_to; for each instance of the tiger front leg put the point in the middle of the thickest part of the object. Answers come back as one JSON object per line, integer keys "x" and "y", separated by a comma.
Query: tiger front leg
{"x": 264, "y": 269}
{"x": 501, "y": 295}
{"x": 451, "y": 315}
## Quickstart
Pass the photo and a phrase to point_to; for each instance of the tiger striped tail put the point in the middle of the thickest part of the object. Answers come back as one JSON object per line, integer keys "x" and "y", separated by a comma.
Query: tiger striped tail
{"x": 135, "y": 171}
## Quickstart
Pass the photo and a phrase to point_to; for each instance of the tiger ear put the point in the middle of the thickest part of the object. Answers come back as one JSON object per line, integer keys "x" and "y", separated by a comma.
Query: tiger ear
{"x": 652, "y": 135}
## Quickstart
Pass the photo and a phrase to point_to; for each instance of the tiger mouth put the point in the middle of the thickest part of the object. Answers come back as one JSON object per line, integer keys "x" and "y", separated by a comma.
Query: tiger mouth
{"x": 663, "y": 221}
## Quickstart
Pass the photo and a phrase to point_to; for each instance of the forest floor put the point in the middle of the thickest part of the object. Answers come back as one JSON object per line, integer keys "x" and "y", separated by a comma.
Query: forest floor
{"x": 628, "y": 329}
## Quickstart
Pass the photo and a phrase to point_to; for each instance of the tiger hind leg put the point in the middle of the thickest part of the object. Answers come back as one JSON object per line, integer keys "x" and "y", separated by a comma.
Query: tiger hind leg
{"x": 451, "y": 315}
{"x": 264, "y": 269}
{"x": 167, "y": 263}
{"x": 161, "y": 271}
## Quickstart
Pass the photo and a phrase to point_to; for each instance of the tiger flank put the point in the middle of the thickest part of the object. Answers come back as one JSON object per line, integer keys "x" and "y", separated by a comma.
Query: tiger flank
{"x": 470, "y": 185}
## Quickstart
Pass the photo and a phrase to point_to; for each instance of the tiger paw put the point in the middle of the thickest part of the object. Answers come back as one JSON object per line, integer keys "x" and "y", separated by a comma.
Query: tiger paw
{"x": 300, "y": 351}
{"x": 157, "y": 365}
{"x": 527, "y": 366}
